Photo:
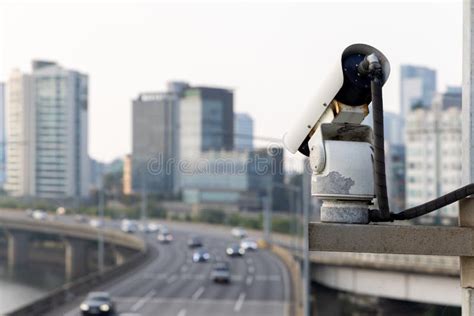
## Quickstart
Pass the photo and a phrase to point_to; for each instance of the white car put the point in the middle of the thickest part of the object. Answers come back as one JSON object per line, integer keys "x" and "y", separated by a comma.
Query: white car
{"x": 238, "y": 232}
{"x": 249, "y": 244}
{"x": 39, "y": 215}
{"x": 128, "y": 226}
{"x": 97, "y": 223}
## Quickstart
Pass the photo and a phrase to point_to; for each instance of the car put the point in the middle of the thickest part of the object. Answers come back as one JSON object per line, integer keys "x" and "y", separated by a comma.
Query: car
{"x": 201, "y": 255}
{"x": 164, "y": 237}
{"x": 98, "y": 303}
{"x": 153, "y": 228}
{"x": 61, "y": 210}
{"x": 128, "y": 226}
{"x": 235, "y": 250}
{"x": 249, "y": 244}
{"x": 29, "y": 212}
{"x": 194, "y": 242}
{"x": 221, "y": 272}
{"x": 238, "y": 232}
{"x": 39, "y": 215}
{"x": 80, "y": 218}
{"x": 96, "y": 223}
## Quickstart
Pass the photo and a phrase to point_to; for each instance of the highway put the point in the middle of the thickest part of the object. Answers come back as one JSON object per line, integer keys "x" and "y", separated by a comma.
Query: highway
{"x": 171, "y": 284}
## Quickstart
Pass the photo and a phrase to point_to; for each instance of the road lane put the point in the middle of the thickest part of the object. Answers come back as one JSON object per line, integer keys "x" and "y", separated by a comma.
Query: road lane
{"x": 173, "y": 285}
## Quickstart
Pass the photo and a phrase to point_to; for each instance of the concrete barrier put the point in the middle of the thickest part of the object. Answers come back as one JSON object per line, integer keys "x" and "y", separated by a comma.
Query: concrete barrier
{"x": 296, "y": 306}
{"x": 70, "y": 291}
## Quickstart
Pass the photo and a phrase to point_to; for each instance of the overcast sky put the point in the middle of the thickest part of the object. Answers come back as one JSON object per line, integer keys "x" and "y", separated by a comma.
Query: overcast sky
{"x": 272, "y": 54}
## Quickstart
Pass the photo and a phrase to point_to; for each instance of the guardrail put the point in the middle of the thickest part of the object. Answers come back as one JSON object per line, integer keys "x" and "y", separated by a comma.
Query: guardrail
{"x": 71, "y": 290}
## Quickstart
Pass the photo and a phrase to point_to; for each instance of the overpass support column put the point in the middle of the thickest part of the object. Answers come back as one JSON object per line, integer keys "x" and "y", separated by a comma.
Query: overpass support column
{"x": 18, "y": 248}
{"x": 75, "y": 258}
{"x": 119, "y": 256}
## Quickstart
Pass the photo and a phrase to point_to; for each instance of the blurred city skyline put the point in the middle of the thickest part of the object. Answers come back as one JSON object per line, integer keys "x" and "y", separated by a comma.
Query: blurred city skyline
{"x": 273, "y": 67}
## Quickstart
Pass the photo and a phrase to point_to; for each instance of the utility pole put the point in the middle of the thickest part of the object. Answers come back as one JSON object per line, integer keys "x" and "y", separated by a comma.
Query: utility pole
{"x": 143, "y": 204}
{"x": 267, "y": 215}
{"x": 466, "y": 214}
{"x": 100, "y": 236}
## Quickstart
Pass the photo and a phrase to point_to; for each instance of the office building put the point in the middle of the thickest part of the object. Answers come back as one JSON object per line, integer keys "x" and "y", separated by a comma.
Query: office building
{"x": 206, "y": 121}
{"x": 243, "y": 131}
{"x": 46, "y": 121}
{"x": 154, "y": 142}
{"x": 417, "y": 87}
{"x": 434, "y": 153}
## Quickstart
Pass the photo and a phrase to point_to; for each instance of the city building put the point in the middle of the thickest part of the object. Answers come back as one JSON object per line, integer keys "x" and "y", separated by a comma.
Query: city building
{"x": 434, "y": 154}
{"x": 243, "y": 131}
{"x": 2, "y": 135}
{"x": 417, "y": 87}
{"x": 154, "y": 141}
{"x": 240, "y": 178}
{"x": 206, "y": 121}
{"x": 47, "y": 126}
{"x": 395, "y": 171}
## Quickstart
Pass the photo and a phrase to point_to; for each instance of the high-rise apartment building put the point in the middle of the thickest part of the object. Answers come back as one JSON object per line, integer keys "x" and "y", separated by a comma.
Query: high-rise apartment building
{"x": 2, "y": 134}
{"x": 46, "y": 121}
{"x": 417, "y": 87}
{"x": 434, "y": 153}
{"x": 243, "y": 131}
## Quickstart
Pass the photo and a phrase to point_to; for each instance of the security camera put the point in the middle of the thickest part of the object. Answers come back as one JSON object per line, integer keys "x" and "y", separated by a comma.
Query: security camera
{"x": 347, "y": 158}
{"x": 343, "y": 96}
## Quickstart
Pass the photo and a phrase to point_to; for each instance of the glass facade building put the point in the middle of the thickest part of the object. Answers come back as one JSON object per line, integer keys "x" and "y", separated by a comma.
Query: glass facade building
{"x": 243, "y": 131}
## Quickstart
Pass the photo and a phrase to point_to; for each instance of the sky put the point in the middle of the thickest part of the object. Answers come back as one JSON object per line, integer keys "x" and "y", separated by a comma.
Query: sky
{"x": 271, "y": 54}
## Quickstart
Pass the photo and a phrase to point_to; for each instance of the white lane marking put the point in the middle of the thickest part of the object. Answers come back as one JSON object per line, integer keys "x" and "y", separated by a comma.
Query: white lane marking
{"x": 251, "y": 269}
{"x": 236, "y": 277}
{"x": 182, "y": 312}
{"x": 272, "y": 277}
{"x": 239, "y": 303}
{"x": 249, "y": 280}
{"x": 249, "y": 261}
{"x": 141, "y": 302}
{"x": 198, "y": 293}
{"x": 171, "y": 279}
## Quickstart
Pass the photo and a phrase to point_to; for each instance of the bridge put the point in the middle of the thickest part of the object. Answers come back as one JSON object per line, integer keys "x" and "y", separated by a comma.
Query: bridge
{"x": 28, "y": 241}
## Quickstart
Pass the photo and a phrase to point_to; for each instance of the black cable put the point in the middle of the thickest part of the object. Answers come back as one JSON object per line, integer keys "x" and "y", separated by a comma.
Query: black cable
{"x": 379, "y": 149}
{"x": 435, "y": 204}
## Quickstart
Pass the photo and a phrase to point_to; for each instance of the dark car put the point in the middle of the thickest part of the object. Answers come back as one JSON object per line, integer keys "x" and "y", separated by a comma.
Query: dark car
{"x": 235, "y": 250}
{"x": 194, "y": 242}
{"x": 221, "y": 272}
{"x": 98, "y": 303}
{"x": 164, "y": 237}
{"x": 201, "y": 255}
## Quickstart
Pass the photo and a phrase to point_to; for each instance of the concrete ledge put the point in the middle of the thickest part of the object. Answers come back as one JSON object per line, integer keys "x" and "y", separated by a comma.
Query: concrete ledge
{"x": 69, "y": 291}
{"x": 395, "y": 239}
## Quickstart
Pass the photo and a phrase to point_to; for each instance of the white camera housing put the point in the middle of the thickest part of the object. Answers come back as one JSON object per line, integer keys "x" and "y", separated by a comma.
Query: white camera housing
{"x": 336, "y": 99}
